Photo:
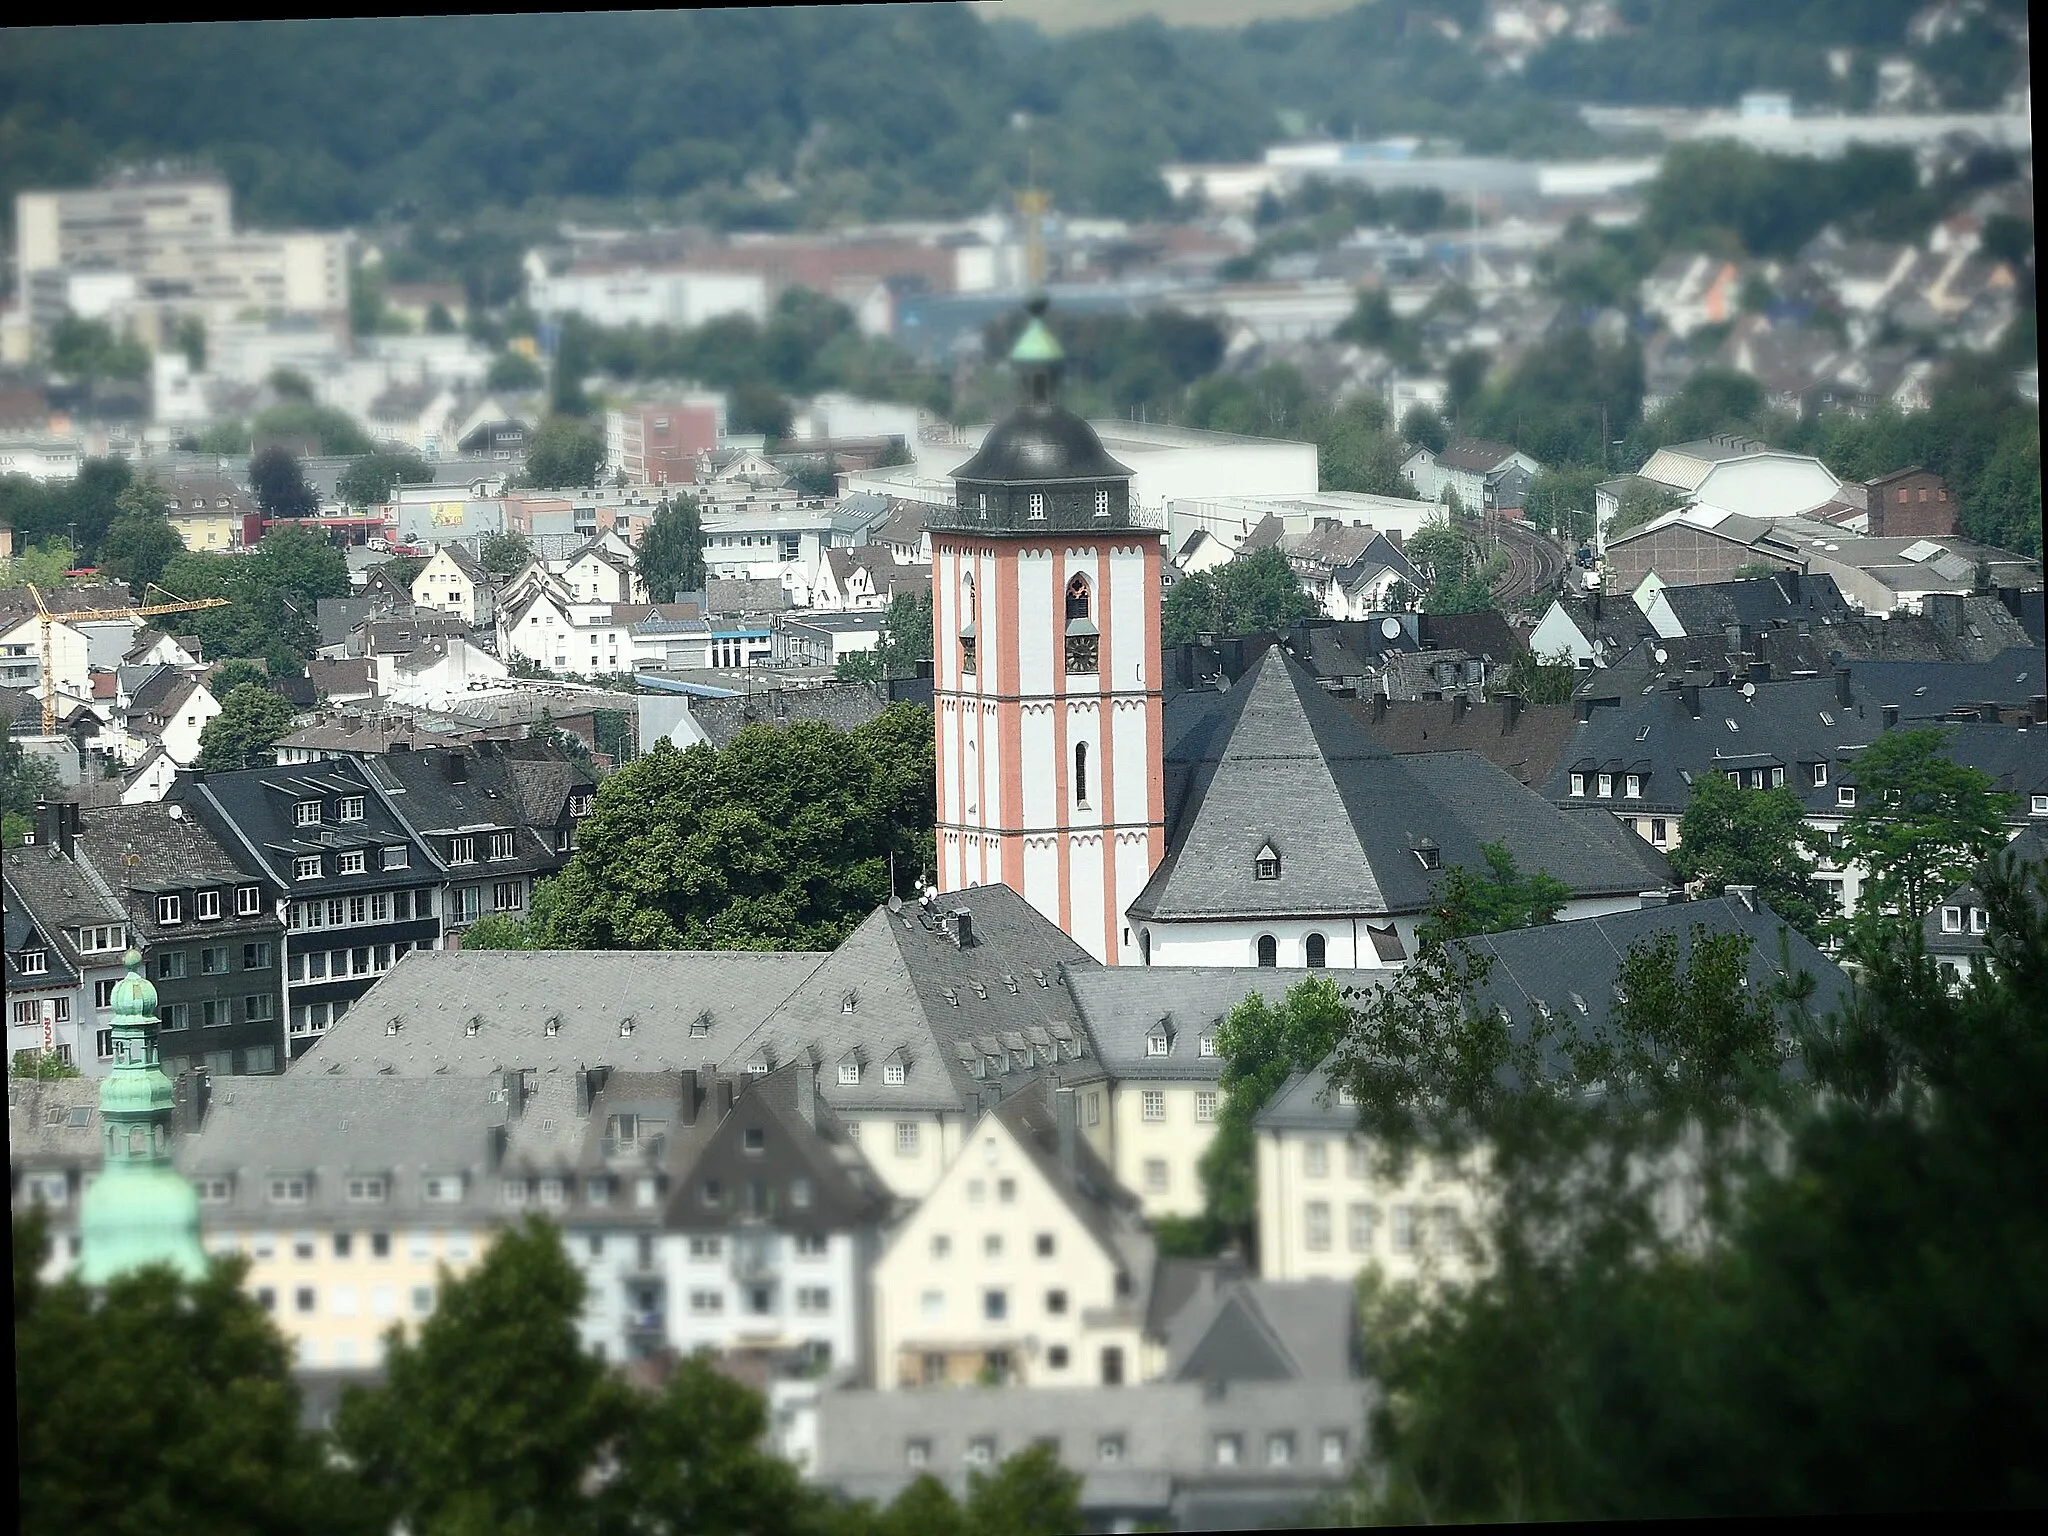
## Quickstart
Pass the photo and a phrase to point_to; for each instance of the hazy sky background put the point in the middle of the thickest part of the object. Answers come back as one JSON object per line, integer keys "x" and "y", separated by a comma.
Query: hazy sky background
{"x": 1076, "y": 15}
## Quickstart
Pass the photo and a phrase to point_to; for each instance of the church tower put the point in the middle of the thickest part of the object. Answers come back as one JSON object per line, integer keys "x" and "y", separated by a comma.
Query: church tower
{"x": 139, "y": 1211}
{"x": 1046, "y": 668}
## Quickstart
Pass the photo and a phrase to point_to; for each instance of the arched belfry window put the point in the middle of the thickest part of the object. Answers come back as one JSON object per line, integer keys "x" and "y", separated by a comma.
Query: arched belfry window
{"x": 968, "y": 660}
{"x": 1084, "y": 641}
{"x": 966, "y": 599}
{"x": 1077, "y": 598}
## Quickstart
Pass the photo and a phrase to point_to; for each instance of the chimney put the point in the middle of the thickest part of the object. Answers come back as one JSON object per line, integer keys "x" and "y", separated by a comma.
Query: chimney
{"x": 1891, "y": 716}
{"x": 1690, "y": 693}
{"x": 963, "y": 928}
{"x": 1656, "y": 899}
{"x": 1596, "y": 605}
{"x": 1760, "y": 671}
{"x": 1746, "y": 894}
{"x": 1510, "y": 711}
{"x": 1720, "y": 677}
{"x": 193, "y": 1093}
{"x": 1063, "y": 1115}
{"x": 1990, "y": 713}
{"x": 2041, "y": 709}
{"x": 1379, "y": 708}
{"x": 1459, "y": 706}
{"x": 1843, "y": 696}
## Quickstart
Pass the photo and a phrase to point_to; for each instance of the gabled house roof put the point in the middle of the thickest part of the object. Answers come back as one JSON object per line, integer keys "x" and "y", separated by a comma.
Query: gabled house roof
{"x": 1358, "y": 830}
{"x": 1475, "y": 455}
{"x": 1123, "y": 1006}
{"x": 1241, "y": 1329}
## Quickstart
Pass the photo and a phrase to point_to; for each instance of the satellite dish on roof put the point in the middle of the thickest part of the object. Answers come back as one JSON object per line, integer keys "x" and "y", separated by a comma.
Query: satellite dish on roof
{"x": 1662, "y": 655}
{"x": 1390, "y": 628}
{"x": 1749, "y": 690}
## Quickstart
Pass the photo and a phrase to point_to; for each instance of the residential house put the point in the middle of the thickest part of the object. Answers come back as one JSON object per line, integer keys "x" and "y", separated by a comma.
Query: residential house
{"x": 1957, "y": 930}
{"x": 413, "y": 416}
{"x": 1297, "y": 839}
{"x": 1689, "y": 289}
{"x": 1352, "y": 571}
{"x": 604, "y": 571}
{"x": 166, "y": 707}
{"x": 436, "y": 672}
{"x": 21, "y": 655}
{"x": 718, "y": 715}
{"x": 1750, "y": 605}
{"x": 53, "y": 1151}
{"x": 1332, "y": 1202}
{"x": 211, "y": 938}
{"x": 452, "y": 582}
{"x": 352, "y": 1198}
{"x": 824, "y": 639}
{"x": 66, "y": 934}
{"x": 360, "y": 887}
{"x": 1591, "y": 629}
{"x": 1026, "y": 1263}
{"x": 1911, "y": 503}
{"x": 1484, "y": 476}
{"x": 206, "y": 511}
{"x": 901, "y": 532}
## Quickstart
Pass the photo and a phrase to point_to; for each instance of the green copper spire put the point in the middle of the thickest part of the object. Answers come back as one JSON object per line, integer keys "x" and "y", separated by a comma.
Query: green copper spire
{"x": 139, "y": 1211}
{"x": 1037, "y": 344}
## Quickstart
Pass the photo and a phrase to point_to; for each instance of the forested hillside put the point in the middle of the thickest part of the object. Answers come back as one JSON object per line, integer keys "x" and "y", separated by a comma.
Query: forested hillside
{"x": 805, "y": 114}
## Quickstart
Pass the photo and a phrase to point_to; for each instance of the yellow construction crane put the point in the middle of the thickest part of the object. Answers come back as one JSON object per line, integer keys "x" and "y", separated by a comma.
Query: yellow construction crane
{"x": 141, "y": 610}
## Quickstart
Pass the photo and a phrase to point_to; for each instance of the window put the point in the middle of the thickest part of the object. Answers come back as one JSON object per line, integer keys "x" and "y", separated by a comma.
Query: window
{"x": 1357, "y": 1161}
{"x": 1279, "y": 1450}
{"x": 981, "y": 1450}
{"x": 207, "y": 905}
{"x": 397, "y": 858}
{"x": 175, "y": 1015}
{"x": 1845, "y": 794}
{"x": 103, "y": 1043}
{"x": 1404, "y": 1229}
{"x": 98, "y": 940}
{"x": 1658, "y": 831}
{"x": 995, "y": 1305}
{"x": 906, "y": 1138}
{"x": 508, "y": 896}
{"x": 288, "y": 1191}
{"x": 213, "y": 960}
{"x": 1606, "y": 786}
{"x": 256, "y": 957}
{"x": 1154, "y": 1103}
{"x": 1951, "y": 919}
{"x": 1081, "y": 774}
{"x": 304, "y": 1299}
{"x": 1227, "y": 1447}
{"x": 1266, "y": 864}
{"x": 1313, "y": 951}
{"x": 1333, "y": 1447}
{"x": 1579, "y": 784}
{"x": 306, "y": 813}
{"x": 1205, "y": 1105}
{"x": 1037, "y": 504}
{"x": 917, "y": 1454}
{"x": 1980, "y": 920}
{"x": 1091, "y": 1108}
{"x": 1006, "y": 1191}
{"x": 351, "y": 808}
{"x": 1268, "y": 951}
{"x": 1155, "y": 1175}
{"x": 707, "y": 1303}
{"x": 307, "y": 868}
{"x": 1316, "y": 1226}
{"x": 102, "y": 991}
{"x": 461, "y": 850}
{"x": 1315, "y": 1159}
{"x": 1206, "y": 1046}
{"x": 849, "y": 1072}
{"x": 169, "y": 911}
{"x": 350, "y": 863}
{"x": 259, "y": 1007}
{"x": 1777, "y": 778}
{"x": 1360, "y": 1224}
{"x": 501, "y": 845}
{"x": 942, "y": 1245}
{"x": 892, "y": 1072}
{"x": 2039, "y": 806}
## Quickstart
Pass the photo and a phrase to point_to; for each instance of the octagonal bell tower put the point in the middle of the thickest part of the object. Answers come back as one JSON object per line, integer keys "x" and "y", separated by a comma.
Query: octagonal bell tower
{"x": 1046, "y": 667}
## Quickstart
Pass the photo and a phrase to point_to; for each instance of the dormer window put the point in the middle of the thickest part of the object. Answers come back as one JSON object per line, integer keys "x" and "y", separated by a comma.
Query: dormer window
{"x": 893, "y": 1073}
{"x": 1845, "y": 794}
{"x": 1634, "y": 787}
{"x": 1428, "y": 855}
{"x": 849, "y": 1074}
{"x": 1102, "y": 503}
{"x": 170, "y": 911}
{"x": 306, "y": 813}
{"x": 1158, "y": 1043}
{"x": 351, "y": 808}
{"x": 1038, "y": 505}
{"x": 207, "y": 904}
{"x": 33, "y": 962}
{"x": 1606, "y": 786}
{"x": 1266, "y": 863}
{"x": 1206, "y": 1046}
{"x": 1579, "y": 785}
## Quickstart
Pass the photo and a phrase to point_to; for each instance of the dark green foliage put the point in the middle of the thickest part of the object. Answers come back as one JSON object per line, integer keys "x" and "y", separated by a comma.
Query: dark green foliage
{"x": 194, "y": 1372}
{"x": 1719, "y": 195}
{"x": 905, "y": 641}
{"x": 137, "y": 548}
{"x": 1922, "y": 823}
{"x": 565, "y": 454}
{"x": 514, "y": 371}
{"x": 671, "y": 553}
{"x": 1424, "y": 428}
{"x": 1560, "y": 500}
{"x": 403, "y": 569}
{"x": 1258, "y": 594}
{"x": 1551, "y": 407}
{"x": 1757, "y": 837}
{"x": 1030, "y": 1494}
{"x": 251, "y": 719}
{"x": 502, "y": 554}
{"x": 274, "y": 591}
{"x": 1261, "y": 1044}
{"x": 1469, "y": 902}
{"x": 23, "y": 780}
{"x": 335, "y": 430}
{"x": 280, "y": 484}
{"x": 78, "y": 512}
{"x": 1539, "y": 680}
{"x": 88, "y": 349}
{"x": 780, "y": 841}
{"x": 233, "y": 674}
{"x": 369, "y": 480}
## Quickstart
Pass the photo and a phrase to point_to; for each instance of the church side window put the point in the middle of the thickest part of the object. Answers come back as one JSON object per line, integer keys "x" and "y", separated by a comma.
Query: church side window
{"x": 967, "y": 630}
{"x": 1268, "y": 951}
{"x": 1081, "y": 774}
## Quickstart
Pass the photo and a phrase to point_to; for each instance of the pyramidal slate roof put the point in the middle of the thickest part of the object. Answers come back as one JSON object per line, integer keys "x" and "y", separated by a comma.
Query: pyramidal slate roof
{"x": 1358, "y": 831}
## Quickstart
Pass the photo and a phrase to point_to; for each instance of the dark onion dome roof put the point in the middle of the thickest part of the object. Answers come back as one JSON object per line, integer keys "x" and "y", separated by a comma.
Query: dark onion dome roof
{"x": 1041, "y": 440}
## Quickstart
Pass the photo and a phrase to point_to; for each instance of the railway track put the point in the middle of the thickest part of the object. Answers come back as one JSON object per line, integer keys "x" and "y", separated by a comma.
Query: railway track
{"x": 1535, "y": 562}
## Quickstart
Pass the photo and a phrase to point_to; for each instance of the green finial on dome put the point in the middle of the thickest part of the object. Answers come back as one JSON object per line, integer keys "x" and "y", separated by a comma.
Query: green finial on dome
{"x": 1037, "y": 344}
{"x": 139, "y": 1211}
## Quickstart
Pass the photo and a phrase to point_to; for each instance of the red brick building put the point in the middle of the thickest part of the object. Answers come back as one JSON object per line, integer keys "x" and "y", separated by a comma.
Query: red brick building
{"x": 1911, "y": 503}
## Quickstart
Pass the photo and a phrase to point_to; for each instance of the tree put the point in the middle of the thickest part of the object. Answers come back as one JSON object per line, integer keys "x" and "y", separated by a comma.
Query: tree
{"x": 251, "y": 719}
{"x": 141, "y": 542}
{"x": 1467, "y": 902}
{"x": 89, "y": 349}
{"x": 273, "y": 591}
{"x": 290, "y": 384}
{"x": 368, "y": 481}
{"x": 1922, "y": 824}
{"x": 1542, "y": 679}
{"x": 782, "y": 840}
{"x": 565, "y": 454}
{"x": 405, "y": 569}
{"x": 1639, "y": 502}
{"x": 280, "y": 484}
{"x": 494, "y": 1416}
{"x": 1423, "y": 427}
{"x": 905, "y": 641}
{"x": 193, "y": 1370}
{"x": 230, "y": 675}
{"x": 1255, "y": 594}
{"x": 503, "y": 554}
{"x": 1755, "y": 837}
{"x": 42, "y": 565}
{"x": 1261, "y": 1045}
{"x": 1030, "y": 1494}
{"x": 1560, "y": 500}
{"x": 514, "y": 371}
{"x": 671, "y": 553}
{"x": 25, "y": 779}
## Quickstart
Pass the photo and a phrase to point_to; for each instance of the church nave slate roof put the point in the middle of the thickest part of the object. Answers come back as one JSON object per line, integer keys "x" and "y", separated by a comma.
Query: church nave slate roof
{"x": 1356, "y": 830}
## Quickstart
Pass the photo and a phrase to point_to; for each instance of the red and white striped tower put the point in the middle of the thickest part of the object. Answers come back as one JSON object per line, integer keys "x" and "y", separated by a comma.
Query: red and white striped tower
{"x": 1046, "y": 668}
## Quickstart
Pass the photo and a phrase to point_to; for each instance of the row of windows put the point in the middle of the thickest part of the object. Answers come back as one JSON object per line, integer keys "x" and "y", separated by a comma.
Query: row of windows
{"x": 206, "y": 907}
{"x": 1227, "y": 1450}
{"x": 1044, "y": 1245}
{"x": 212, "y": 1012}
{"x": 1362, "y": 1222}
{"x": 1315, "y": 951}
{"x": 811, "y": 1301}
{"x": 1315, "y": 1159}
{"x": 463, "y": 850}
{"x": 1952, "y": 919}
{"x": 336, "y": 964}
{"x": 311, "y": 813}
{"x": 356, "y": 861}
{"x": 1632, "y": 785}
{"x": 995, "y": 1304}
{"x": 550, "y": 1193}
{"x": 305, "y": 1246}
{"x": 374, "y": 907}
{"x": 1152, "y": 1105}
{"x": 174, "y": 964}
{"x": 892, "y": 1072}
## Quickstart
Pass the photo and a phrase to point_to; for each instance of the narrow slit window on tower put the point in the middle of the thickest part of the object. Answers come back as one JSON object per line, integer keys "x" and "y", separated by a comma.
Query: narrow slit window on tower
{"x": 1081, "y": 774}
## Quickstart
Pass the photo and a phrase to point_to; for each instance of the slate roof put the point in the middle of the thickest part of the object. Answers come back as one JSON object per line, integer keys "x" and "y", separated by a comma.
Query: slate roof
{"x": 1611, "y": 624}
{"x": 1522, "y": 740}
{"x": 353, "y": 676}
{"x": 971, "y": 1024}
{"x": 1241, "y": 1330}
{"x": 22, "y": 926}
{"x": 443, "y": 790}
{"x": 1570, "y": 969}
{"x": 731, "y": 596}
{"x": 1288, "y": 765}
{"x": 842, "y": 705}
{"x": 1474, "y": 454}
{"x": 1122, "y": 1005}
{"x": 2030, "y": 847}
{"x": 329, "y": 1128}
{"x": 555, "y": 1009}
{"x": 53, "y": 1123}
{"x": 1784, "y": 598}
{"x": 252, "y": 811}
{"x": 1088, "y": 1187}
{"x": 467, "y": 563}
{"x": 172, "y": 849}
{"x": 1477, "y": 634}
{"x": 63, "y": 896}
